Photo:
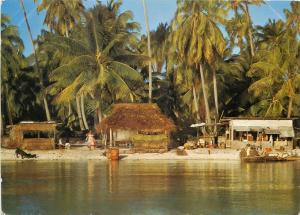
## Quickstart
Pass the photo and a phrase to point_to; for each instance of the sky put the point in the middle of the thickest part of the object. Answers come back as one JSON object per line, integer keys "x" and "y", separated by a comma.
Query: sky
{"x": 158, "y": 11}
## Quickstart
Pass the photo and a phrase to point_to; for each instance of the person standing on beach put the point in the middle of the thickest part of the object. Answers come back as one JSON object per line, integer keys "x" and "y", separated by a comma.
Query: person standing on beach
{"x": 91, "y": 140}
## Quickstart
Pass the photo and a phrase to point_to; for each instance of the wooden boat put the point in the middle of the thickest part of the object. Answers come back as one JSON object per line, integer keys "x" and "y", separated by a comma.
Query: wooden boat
{"x": 266, "y": 158}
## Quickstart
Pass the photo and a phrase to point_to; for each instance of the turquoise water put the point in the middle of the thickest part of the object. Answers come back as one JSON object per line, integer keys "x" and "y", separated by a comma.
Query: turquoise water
{"x": 150, "y": 187}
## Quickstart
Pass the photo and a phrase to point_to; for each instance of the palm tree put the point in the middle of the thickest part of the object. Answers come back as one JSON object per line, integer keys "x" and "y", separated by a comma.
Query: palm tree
{"x": 97, "y": 51}
{"x": 240, "y": 26}
{"x": 234, "y": 83}
{"x": 276, "y": 73}
{"x": 61, "y": 17}
{"x": 18, "y": 82}
{"x": 149, "y": 50}
{"x": 293, "y": 16}
{"x": 159, "y": 44}
{"x": 197, "y": 37}
{"x": 11, "y": 59}
{"x": 36, "y": 63}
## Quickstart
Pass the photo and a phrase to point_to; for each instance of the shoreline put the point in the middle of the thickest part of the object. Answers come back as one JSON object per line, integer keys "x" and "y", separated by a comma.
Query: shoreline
{"x": 83, "y": 153}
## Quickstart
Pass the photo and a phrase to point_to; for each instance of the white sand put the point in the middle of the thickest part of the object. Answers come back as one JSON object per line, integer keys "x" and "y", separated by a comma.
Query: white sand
{"x": 83, "y": 153}
{"x": 58, "y": 154}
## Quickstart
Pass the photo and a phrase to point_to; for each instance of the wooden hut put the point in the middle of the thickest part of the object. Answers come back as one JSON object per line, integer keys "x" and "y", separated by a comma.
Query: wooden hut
{"x": 32, "y": 135}
{"x": 140, "y": 126}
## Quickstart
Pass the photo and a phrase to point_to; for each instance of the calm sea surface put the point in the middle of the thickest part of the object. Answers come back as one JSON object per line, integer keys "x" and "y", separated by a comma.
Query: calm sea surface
{"x": 150, "y": 187}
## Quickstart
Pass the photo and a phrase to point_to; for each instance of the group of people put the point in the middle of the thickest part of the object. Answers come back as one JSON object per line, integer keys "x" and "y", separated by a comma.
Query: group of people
{"x": 90, "y": 140}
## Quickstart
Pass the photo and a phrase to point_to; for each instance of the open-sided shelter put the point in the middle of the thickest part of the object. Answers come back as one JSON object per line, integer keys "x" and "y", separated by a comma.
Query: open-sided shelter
{"x": 141, "y": 126}
{"x": 33, "y": 135}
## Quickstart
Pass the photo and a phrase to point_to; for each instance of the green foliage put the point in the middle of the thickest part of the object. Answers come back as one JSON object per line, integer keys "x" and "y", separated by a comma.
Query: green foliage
{"x": 18, "y": 87}
{"x": 98, "y": 53}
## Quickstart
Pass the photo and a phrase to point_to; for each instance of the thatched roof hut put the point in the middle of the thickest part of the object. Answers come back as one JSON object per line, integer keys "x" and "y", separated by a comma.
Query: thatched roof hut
{"x": 142, "y": 126}
{"x": 33, "y": 135}
{"x": 143, "y": 117}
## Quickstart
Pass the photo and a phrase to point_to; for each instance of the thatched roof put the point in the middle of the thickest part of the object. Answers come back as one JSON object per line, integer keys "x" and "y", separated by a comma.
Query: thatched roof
{"x": 133, "y": 116}
{"x": 36, "y": 126}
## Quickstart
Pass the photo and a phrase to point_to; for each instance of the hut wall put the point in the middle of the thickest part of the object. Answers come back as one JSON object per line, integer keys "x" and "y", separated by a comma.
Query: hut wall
{"x": 150, "y": 143}
{"x": 38, "y": 144}
{"x": 124, "y": 135}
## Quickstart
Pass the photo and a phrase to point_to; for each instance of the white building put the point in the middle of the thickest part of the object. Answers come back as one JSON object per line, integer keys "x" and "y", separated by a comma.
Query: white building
{"x": 273, "y": 133}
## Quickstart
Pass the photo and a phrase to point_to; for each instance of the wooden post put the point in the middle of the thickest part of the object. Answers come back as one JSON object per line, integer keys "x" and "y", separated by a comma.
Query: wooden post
{"x": 231, "y": 133}
{"x": 116, "y": 137}
{"x": 110, "y": 137}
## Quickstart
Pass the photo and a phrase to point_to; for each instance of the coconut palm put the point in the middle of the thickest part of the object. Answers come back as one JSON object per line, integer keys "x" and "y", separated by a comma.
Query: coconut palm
{"x": 159, "y": 45}
{"x": 61, "y": 15}
{"x": 18, "y": 82}
{"x": 149, "y": 50}
{"x": 11, "y": 58}
{"x": 233, "y": 83}
{"x": 197, "y": 38}
{"x": 97, "y": 51}
{"x": 293, "y": 16}
{"x": 36, "y": 63}
{"x": 277, "y": 70}
{"x": 240, "y": 26}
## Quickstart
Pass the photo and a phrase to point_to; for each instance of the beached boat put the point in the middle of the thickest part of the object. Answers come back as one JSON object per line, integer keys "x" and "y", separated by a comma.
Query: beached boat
{"x": 267, "y": 158}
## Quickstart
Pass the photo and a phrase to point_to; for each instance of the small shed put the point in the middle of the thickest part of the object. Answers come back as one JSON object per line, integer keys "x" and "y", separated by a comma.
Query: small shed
{"x": 140, "y": 126}
{"x": 33, "y": 135}
{"x": 262, "y": 132}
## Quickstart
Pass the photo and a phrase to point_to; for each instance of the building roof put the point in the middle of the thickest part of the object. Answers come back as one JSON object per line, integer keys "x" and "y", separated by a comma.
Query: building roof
{"x": 132, "y": 116}
{"x": 35, "y": 126}
{"x": 282, "y": 127}
{"x": 257, "y": 118}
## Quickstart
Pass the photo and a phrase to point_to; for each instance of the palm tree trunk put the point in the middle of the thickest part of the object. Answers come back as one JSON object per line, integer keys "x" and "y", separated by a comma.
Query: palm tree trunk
{"x": 249, "y": 29}
{"x": 79, "y": 114}
{"x": 37, "y": 64}
{"x": 9, "y": 114}
{"x": 1, "y": 124}
{"x": 70, "y": 109}
{"x": 46, "y": 108}
{"x": 290, "y": 108}
{"x": 215, "y": 93}
{"x": 207, "y": 111}
{"x": 196, "y": 103}
{"x": 149, "y": 50}
{"x": 99, "y": 113}
{"x": 83, "y": 112}
{"x": 69, "y": 115}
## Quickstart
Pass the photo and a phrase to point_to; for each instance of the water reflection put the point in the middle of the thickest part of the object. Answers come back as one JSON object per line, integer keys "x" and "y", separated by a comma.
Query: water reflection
{"x": 150, "y": 187}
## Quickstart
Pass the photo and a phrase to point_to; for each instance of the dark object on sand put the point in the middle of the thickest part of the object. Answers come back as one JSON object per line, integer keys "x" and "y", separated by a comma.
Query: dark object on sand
{"x": 181, "y": 151}
{"x": 24, "y": 154}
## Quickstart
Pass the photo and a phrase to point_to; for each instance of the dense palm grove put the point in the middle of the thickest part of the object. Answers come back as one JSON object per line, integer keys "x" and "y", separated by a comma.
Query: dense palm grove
{"x": 209, "y": 62}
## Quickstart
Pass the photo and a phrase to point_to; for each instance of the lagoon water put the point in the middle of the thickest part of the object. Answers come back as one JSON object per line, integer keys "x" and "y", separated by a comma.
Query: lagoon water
{"x": 150, "y": 187}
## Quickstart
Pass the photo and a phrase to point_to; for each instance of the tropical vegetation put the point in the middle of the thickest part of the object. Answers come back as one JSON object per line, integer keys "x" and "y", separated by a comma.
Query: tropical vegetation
{"x": 210, "y": 61}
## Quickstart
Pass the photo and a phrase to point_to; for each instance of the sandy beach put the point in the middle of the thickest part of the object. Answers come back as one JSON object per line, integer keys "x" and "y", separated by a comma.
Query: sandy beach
{"x": 83, "y": 153}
